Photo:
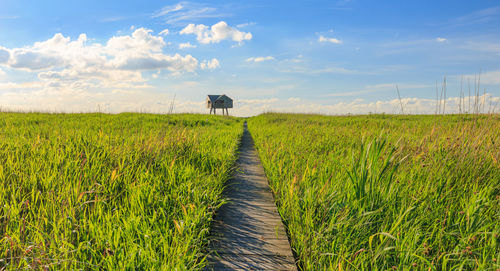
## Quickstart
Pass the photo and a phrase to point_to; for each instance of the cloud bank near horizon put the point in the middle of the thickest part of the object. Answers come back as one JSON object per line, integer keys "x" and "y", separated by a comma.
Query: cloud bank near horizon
{"x": 135, "y": 101}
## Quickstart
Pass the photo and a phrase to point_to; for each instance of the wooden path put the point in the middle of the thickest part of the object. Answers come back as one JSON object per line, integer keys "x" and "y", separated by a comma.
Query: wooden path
{"x": 248, "y": 233}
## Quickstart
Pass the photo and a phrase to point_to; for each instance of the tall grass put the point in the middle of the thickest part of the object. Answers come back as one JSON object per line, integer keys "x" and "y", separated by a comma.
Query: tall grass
{"x": 386, "y": 192}
{"x": 111, "y": 192}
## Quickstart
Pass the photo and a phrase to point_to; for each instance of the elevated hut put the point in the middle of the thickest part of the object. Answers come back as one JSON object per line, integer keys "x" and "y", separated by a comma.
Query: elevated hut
{"x": 219, "y": 101}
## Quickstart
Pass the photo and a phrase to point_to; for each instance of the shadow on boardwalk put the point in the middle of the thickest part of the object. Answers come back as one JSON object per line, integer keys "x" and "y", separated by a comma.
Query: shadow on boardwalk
{"x": 247, "y": 233}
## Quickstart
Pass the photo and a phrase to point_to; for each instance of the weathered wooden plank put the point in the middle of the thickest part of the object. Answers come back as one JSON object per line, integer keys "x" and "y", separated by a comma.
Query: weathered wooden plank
{"x": 252, "y": 262}
{"x": 248, "y": 233}
{"x": 255, "y": 258}
{"x": 254, "y": 232}
{"x": 252, "y": 216}
{"x": 255, "y": 246}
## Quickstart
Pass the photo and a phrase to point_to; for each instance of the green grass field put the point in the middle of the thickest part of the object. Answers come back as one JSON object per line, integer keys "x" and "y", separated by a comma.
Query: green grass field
{"x": 386, "y": 192}
{"x": 138, "y": 191}
{"x": 111, "y": 192}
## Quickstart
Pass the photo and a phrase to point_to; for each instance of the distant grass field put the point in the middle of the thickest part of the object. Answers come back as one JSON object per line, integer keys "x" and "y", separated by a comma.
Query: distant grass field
{"x": 111, "y": 192}
{"x": 386, "y": 192}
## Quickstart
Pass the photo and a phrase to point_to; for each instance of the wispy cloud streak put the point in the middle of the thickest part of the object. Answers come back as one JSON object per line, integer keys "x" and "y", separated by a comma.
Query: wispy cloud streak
{"x": 183, "y": 12}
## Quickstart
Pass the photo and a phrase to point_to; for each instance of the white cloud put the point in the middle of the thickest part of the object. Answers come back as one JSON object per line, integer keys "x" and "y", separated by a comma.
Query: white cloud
{"x": 441, "y": 40}
{"x": 186, "y": 45}
{"x": 62, "y": 63}
{"x": 175, "y": 63}
{"x": 210, "y": 65}
{"x": 141, "y": 42}
{"x": 331, "y": 40}
{"x": 164, "y": 32}
{"x": 216, "y": 33}
{"x": 139, "y": 51}
{"x": 259, "y": 59}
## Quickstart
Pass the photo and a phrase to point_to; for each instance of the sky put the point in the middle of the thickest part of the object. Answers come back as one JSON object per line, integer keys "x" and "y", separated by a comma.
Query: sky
{"x": 328, "y": 57}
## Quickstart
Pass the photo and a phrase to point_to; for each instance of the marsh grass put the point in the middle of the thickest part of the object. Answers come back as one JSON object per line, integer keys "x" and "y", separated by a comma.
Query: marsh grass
{"x": 111, "y": 192}
{"x": 384, "y": 192}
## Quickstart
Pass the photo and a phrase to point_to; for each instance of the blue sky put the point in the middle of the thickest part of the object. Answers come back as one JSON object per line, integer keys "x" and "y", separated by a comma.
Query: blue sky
{"x": 331, "y": 57}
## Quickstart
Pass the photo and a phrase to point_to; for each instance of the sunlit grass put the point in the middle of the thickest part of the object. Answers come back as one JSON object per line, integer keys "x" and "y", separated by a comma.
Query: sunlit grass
{"x": 96, "y": 191}
{"x": 386, "y": 192}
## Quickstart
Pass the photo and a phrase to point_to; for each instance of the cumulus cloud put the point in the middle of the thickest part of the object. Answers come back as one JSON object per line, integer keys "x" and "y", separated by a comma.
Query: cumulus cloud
{"x": 141, "y": 42}
{"x": 174, "y": 63}
{"x": 210, "y": 65}
{"x": 441, "y": 40}
{"x": 216, "y": 33}
{"x": 259, "y": 59}
{"x": 186, "y": 45}
{"x": 330, "y": 40}
{"x": 77, "y": 64}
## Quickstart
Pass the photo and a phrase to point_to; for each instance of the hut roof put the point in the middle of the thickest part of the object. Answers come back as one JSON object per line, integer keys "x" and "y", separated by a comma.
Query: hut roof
{"x": 214, "y": 98}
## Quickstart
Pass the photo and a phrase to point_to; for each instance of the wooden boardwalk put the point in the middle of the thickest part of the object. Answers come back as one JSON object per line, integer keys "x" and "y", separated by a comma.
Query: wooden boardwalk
{"x": 248, "y": 233}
